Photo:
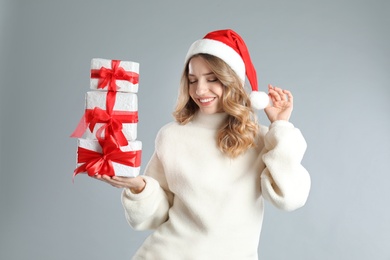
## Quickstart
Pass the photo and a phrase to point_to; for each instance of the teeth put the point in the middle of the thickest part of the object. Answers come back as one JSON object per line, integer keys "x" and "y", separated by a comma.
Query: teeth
{"x": 205, "y": 100}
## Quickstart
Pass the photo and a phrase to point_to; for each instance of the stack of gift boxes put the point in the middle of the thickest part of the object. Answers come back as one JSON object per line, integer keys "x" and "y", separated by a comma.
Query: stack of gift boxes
{"x": 107, "y": 132}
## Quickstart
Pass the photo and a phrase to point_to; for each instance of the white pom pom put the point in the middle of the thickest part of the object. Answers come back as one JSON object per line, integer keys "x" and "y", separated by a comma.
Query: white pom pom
{"x": 259, "y": 100}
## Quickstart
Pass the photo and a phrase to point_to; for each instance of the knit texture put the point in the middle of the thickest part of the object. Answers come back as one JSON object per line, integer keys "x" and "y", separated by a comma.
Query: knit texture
{"x": 205, "y": 205}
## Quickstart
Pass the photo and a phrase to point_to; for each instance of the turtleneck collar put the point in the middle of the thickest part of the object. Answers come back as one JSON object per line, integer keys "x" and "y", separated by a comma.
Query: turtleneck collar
{"x": 211, "y": 121}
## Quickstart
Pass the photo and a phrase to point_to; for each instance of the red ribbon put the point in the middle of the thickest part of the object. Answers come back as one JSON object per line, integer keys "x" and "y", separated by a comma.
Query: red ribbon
{"x": 101, "y": 163}
{"x": 113, "y": 119}
{"x": 108, "y": 77}
{"x": 112, "y": 123}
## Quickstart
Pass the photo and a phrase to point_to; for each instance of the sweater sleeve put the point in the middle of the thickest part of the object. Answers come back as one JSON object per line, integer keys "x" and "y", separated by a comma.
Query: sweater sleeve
{"x": 149, "y": 209}
{"x": 284, "y": 181}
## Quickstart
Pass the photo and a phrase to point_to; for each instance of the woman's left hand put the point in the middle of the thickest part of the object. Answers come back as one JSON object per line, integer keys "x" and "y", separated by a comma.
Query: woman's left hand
{"x": 281, "y": 106}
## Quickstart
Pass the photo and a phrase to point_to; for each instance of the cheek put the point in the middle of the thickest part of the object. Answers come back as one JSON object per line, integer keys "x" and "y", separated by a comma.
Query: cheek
{"x": 219, "y": 90}
{"x": 191, "y": 91}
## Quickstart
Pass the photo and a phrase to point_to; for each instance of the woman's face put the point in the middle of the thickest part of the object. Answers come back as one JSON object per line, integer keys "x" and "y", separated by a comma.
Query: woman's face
{"x": 204, "y": 87}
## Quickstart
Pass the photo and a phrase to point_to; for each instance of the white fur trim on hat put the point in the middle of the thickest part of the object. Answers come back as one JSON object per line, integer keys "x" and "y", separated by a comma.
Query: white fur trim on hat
{"x": 220, "y": 50}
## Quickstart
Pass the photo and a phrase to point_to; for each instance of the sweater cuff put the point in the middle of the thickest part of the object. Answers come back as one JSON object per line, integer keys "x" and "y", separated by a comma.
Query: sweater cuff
{"x": 151, "y": 185}
{"x": 281, "y": 123}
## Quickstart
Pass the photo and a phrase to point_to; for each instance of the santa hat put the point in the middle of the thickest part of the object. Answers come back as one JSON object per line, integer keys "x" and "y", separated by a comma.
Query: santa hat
{"x": 230, "y": 47}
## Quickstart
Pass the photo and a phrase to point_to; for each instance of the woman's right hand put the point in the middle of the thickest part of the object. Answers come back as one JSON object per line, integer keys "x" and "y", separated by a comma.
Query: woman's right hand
{"x": 135, "y": 184}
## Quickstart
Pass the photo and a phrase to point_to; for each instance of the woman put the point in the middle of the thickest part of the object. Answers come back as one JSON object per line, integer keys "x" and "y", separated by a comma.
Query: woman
{"x": 203, "y": 188}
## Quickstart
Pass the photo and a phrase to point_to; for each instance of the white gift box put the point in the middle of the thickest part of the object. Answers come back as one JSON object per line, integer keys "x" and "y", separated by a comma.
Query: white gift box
{"x": 122, "y": 85}
{"x": 124, "y": 102}
{"x": 119, "y": 169}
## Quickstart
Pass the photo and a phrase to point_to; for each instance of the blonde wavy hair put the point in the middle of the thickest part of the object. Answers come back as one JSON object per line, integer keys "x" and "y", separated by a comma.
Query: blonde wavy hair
{"x": 239, "y": 131}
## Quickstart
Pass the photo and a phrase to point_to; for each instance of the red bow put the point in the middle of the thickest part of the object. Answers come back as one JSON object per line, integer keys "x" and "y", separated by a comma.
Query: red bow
{"x": 113, "y": 120}
{"x": 109, "y": 76}
{"x": 112, "y": 127}
{"x": 101, "y": 163}
{"x": 113, "y": 123}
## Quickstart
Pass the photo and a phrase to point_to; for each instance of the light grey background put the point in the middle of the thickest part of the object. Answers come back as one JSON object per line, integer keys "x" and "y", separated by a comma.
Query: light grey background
{"x": 333, "y": 55}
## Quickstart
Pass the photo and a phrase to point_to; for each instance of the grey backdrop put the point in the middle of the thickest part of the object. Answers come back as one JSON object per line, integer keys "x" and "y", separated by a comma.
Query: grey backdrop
{"x": 333, "y": 55}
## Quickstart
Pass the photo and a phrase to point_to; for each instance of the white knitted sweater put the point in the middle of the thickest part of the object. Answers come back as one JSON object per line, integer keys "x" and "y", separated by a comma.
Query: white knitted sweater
{"x": 204, "y": 205}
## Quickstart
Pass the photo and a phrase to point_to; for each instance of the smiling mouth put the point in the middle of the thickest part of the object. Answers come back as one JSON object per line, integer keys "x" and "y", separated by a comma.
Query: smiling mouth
{"x": 206, "y": 100}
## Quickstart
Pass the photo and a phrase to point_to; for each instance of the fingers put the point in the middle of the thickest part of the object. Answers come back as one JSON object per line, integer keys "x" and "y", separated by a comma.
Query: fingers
{"x": 113, "y": 181}
{"x": 278, "y": 94}
{"x": 135, "y": 184}
{"x": 289, "y": 95}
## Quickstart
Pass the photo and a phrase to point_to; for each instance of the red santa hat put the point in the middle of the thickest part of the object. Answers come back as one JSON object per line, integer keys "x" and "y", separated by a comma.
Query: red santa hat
{"x": 231, "y": 48}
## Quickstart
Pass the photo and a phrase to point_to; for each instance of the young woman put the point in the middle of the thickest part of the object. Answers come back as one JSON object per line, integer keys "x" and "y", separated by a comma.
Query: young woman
{"x": 203, "y": 188}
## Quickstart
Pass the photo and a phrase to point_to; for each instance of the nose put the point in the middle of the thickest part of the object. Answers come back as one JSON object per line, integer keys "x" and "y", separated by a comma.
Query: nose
{"x": 201, "y": 88}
